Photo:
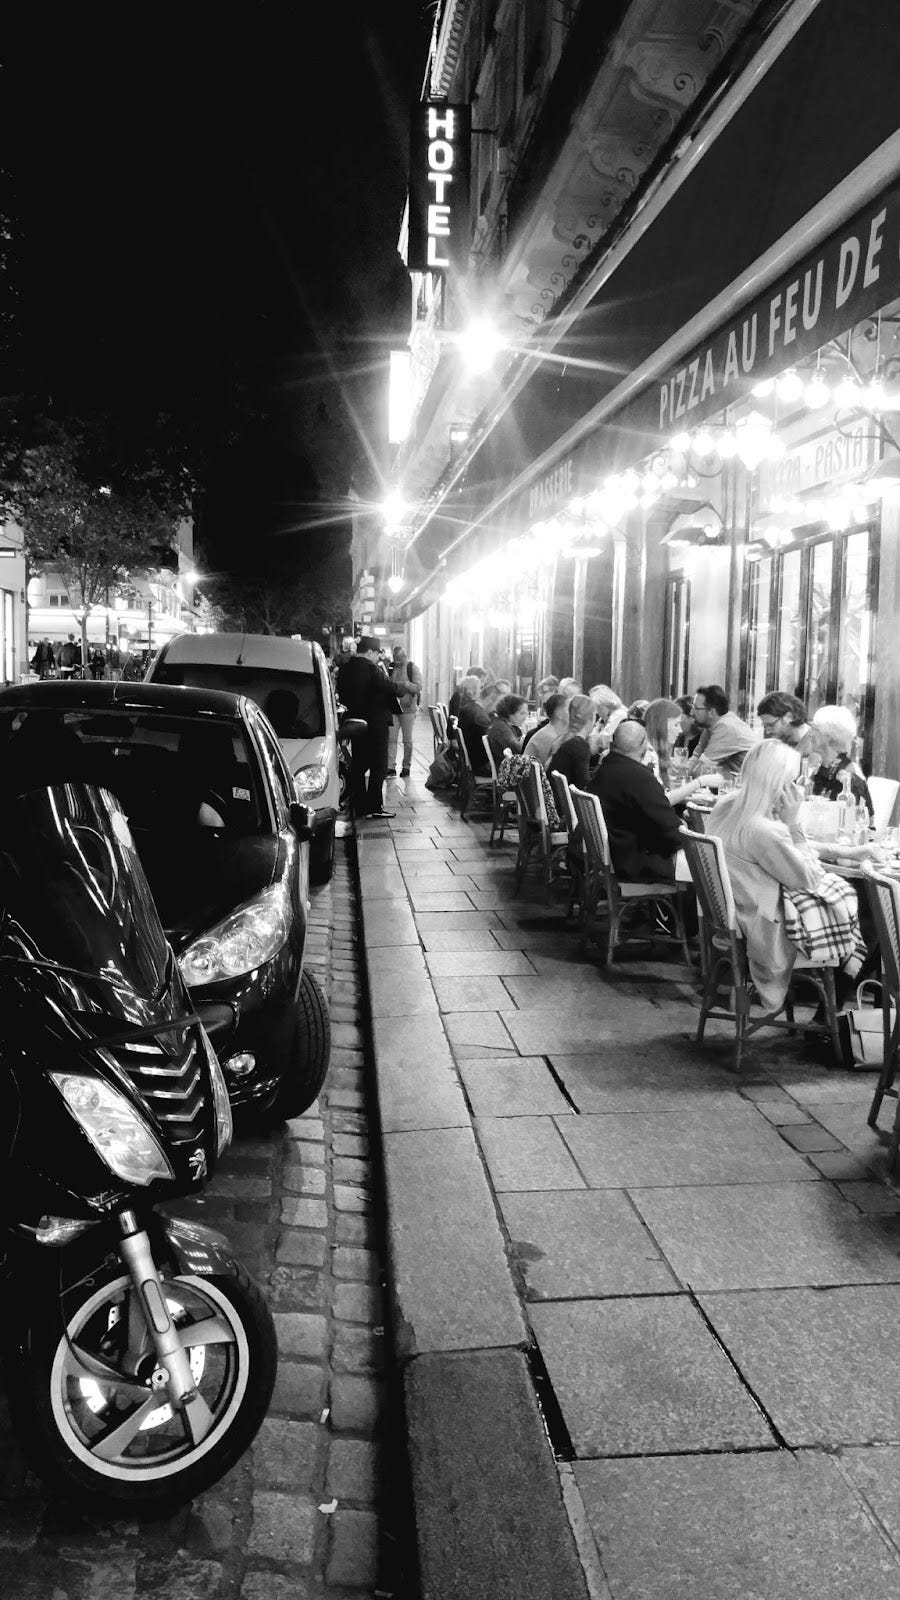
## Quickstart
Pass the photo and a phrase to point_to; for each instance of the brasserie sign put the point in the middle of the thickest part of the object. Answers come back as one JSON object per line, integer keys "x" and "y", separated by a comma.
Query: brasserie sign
{"x": 850, "y": 277}
{"x": 440, "y": 136}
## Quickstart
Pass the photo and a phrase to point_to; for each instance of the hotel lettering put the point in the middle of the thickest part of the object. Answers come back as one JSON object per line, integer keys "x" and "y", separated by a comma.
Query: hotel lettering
{"x": 439, "y": 187}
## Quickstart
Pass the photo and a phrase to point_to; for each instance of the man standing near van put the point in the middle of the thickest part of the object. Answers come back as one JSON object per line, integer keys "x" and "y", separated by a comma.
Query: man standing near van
{"x": 365, "y": 689}
{"x": 406, "y": 681}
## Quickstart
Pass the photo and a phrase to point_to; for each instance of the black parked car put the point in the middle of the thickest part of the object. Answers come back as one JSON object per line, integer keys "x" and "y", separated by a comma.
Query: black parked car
{"x": 224, "y": 844}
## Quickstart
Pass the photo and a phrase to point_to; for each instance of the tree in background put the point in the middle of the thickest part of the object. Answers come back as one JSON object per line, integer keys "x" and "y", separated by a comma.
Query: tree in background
{"x": 95, "y": 535}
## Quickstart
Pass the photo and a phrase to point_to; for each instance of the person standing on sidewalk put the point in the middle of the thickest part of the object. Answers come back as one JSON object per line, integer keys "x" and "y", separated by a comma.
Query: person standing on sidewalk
{"x": 406, "y": 680}
{"x": 365, "y": 689}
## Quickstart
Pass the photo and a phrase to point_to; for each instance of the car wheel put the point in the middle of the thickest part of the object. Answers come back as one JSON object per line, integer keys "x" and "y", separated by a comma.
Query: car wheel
{"x": 305, "y": 1072}
{"x": 321, "y": 855}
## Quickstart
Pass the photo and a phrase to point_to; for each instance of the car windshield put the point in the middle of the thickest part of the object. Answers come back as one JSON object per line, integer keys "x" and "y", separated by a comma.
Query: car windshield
{"x": 166, "y": 772}
{"x": 292, "y": 701}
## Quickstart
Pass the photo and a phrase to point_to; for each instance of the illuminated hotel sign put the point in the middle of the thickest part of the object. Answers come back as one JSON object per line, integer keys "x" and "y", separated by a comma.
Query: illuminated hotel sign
{"x": 439, "y": 186}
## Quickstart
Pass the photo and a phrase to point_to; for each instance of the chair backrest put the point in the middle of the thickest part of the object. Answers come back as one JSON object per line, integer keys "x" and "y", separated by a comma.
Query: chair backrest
{"x": 884, "y": 898}
{"x": 434, "y": 714}
{"x": 709, "y": 874}
{"x": 592, "y": 822}
{"x": 564, "y": 804}
{"x": 883, "y": 793}
{"x": 530, "y": 792}
{"x": 462, "y": 747}
{"x": 492, "y": 765}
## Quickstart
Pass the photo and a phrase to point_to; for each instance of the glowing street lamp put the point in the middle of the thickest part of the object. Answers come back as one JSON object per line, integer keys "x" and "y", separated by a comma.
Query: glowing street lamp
{"x": 480, "y": 344}
{"x": 395, "y": 582}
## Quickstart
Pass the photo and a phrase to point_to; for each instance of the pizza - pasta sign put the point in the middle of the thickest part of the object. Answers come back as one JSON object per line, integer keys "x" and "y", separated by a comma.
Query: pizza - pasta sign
{"x": 855, "y": 273}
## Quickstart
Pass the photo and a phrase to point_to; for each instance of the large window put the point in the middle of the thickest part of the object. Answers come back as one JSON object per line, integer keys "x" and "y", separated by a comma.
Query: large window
{"x": 810, "y": 613}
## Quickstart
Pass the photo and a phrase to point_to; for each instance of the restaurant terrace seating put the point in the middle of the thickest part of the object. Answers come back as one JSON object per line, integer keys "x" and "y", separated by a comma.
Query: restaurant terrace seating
{"x": 438, "y": 727}
{"x": 475, "y": 788}
{"x": 536, "y": 837}
{"x": 503, "y": 800}
{"x": 565, "y": 806}
{"x": 883, "y": 794}
{"x": 725, "y": 964}
{"x": 884, "y": 897}
{"x": 623, "y": 900}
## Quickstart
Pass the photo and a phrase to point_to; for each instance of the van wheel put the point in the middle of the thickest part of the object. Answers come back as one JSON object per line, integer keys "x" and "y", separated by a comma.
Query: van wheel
{"x": 306, "y": 1070}
{"x": 321, "y": 855}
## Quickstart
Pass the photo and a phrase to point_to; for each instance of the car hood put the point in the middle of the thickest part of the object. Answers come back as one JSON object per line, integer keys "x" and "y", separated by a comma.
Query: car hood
{"x": 199, "y": 880}
{"x": 306, "y": 752}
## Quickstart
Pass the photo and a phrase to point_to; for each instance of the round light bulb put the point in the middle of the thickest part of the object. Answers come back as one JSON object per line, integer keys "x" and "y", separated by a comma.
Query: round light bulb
{"x": 817, "y": 392}
{"x": 789, "y": 386}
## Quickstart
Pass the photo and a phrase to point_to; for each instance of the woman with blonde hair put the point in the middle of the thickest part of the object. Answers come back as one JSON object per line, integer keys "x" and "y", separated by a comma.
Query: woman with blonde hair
{"x": 573, "y": 751}
{"x": 766, "y": 851}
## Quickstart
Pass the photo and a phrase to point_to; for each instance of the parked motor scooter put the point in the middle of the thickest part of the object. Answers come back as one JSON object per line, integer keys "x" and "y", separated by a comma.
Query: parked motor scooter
{"x": 139, "y": 1356}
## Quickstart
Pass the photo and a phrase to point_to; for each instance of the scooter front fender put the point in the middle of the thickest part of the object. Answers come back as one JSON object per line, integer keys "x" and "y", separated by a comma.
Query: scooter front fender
{"x": 196, "y": 1249}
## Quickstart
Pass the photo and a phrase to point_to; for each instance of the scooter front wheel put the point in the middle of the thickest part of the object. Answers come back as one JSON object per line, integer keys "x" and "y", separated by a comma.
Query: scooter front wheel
{"x": 91, "y": 1405}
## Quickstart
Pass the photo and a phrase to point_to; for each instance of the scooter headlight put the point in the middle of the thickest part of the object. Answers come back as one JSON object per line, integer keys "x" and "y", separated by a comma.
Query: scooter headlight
{"x": 224, "y": 1121}
{"x": 247, "y": 939}
{"x": 311, "y": 781}
{"x": 116, "y": 1130}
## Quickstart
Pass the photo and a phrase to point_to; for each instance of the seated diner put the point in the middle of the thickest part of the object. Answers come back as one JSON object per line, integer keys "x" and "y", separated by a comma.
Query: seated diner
{"x": 832, "y": 734}
{"x": 575, "y": 749}
{"x": 644, "y": 829}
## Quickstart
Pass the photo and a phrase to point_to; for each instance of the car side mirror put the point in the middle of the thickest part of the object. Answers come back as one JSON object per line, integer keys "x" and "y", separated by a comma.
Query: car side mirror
{"x": 351, "y": 728}
{"x": 303, "y": 820}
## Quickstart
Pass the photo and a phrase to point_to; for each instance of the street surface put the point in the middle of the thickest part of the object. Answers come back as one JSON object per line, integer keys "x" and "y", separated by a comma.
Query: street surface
{"x": 312, "y": 1508}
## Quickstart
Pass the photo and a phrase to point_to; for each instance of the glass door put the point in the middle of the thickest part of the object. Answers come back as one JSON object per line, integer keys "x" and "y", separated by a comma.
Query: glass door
{"x": 816, "y": 601}
{"x": 677, "y": 636}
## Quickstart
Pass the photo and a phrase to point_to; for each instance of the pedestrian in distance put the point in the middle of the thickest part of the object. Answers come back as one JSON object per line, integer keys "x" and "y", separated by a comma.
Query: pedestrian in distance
{"x": 96, "y": 662}
{"x": 70, "y": 659}
{"x": 365, "y": 690}
{"x": 113, "y": 662}
{"x": 406, "y": 680}
{"x": 43, "y": 661}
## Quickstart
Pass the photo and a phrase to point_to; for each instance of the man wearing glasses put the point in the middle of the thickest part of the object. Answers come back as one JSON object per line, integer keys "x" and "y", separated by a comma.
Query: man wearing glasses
{"x": 783, "y": 717}
{"x": 724, "y": 737}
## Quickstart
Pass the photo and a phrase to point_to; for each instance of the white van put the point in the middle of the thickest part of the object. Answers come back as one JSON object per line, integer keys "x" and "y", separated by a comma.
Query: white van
{"x": 290, "y": 682}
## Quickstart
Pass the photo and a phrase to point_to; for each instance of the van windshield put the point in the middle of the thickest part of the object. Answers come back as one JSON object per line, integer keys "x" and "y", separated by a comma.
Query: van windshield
{"x": 292, "y": 701}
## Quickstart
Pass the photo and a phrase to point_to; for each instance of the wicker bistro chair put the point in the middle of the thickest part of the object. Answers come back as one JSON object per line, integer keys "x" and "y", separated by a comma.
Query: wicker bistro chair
{"x": 566, "y": 808}
{"x": 438, "y": 728}
{"x": 884, "y": 899}
{"x": 474, "y": 789}
{"x": 503, "y": 800}
{"x": 535, "y": 834}
{"x": 724, "y": 958}
{"x": 602, "y": 885}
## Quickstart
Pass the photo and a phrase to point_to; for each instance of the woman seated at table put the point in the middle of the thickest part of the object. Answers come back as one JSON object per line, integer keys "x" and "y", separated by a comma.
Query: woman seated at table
{"x": 766, "y": 851}
{"x": 833, "y": 731}
{"x": 662, "y": 721}
{"x": 505, "y": 731}
{"x": 575, "y": 749}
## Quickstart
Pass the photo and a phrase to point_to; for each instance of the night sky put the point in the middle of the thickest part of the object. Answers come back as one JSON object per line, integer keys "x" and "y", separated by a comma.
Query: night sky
{"x": 210, "y": 199}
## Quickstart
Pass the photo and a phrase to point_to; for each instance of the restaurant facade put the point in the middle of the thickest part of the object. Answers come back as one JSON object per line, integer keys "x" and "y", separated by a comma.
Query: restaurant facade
{"x": 703, "y": 483}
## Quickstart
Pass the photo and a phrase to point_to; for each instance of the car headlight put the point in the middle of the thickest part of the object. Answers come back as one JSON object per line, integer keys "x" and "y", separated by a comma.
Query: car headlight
{"x": 117, "y": 1131}
{"x": 246, "y": 939}
{"x": 312, "y": 781}
{"x": 224, "y": 1123}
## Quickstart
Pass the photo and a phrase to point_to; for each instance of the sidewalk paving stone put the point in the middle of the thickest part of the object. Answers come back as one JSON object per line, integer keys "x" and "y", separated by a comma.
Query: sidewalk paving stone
{"x": 477, "y": 963}
{"x": 702, "y": 1146}
{"x": 644, "y": 1375}
{"x": 469, "y": 994}
{"x": 477, "y": 1028}
{"x": 642, "y": 1077}
{"x": 726, "y": 1527}
{"x": 583, "y": 1244}
{"x": 512, "y": 1086}
{"x": 818, "y": 1359}
{"x": 801, "y": 1233}
{"x": 527, "y": 1153}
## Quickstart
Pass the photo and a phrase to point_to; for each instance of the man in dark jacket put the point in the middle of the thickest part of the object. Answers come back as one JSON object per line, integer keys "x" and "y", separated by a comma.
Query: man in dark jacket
{"x": 364, "y": 688}
{"x": 642, "y": 826}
